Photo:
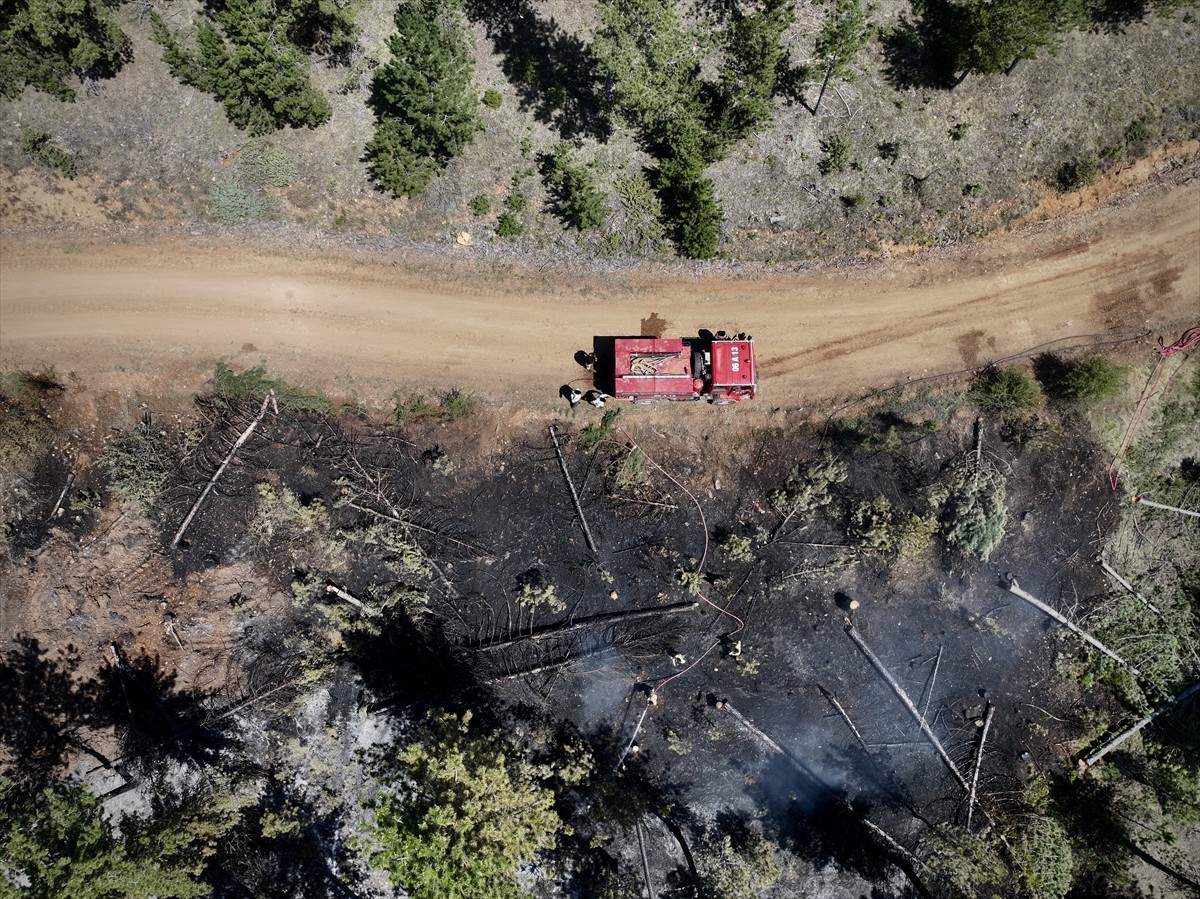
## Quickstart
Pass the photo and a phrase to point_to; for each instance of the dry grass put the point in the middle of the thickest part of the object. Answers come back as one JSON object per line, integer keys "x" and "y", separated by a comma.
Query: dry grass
{"x": 964, "y": 161}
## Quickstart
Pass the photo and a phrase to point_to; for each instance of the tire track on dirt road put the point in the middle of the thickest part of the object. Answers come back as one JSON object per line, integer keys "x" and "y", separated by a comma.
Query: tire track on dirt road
{"x": 351, "y": 321}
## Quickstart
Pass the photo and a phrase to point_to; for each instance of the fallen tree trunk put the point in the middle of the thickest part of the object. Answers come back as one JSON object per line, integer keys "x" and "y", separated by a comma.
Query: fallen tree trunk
{"x": 62, "y": 496}
{"x": 1146, "y": 502}
{"x": 353, "y": 600}
{"x": 987, "y": 723}
{"x": 883, "y": 835}
{"x": 908, "y": 704}
{"x": 1136, "y": 727}
{"x": 1128, "y": 586}
{"x": 267, "y": 400}
{"x": 587, "y": 532}
{"x": 608, "y": 617}
{"x": 1015, "y": 589}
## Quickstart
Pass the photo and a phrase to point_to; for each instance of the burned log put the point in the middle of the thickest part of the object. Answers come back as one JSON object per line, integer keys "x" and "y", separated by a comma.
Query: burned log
{"x": 558, "y": 629}
{"x": 587, "y": 532}
{"x": 1136, "y": 727}
{"x": 267, "y": 401}
{"x": 1015, "y": 589}
{"x": 987, "y": 724}
{"x": 908, "y": 704}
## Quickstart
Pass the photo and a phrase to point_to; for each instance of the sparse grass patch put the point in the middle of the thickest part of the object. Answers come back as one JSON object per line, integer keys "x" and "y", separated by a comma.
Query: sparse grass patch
{"x": 25, "y": 431}
{"x": 231, "y": 202}
{"x": 449, "y": 405}
{"x": 263, "y": 163}
{"x": 139, "y": 463}
{"x": 1092, "y": 379}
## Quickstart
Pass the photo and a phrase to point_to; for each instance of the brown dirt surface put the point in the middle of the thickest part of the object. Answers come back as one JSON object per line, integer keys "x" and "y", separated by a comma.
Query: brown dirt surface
{"x": 148, "y": 317}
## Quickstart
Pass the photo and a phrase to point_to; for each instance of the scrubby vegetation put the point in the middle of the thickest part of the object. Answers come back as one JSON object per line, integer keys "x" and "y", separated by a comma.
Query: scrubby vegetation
{"x": 772, "y": 130}
{"x": 390, "y": 605}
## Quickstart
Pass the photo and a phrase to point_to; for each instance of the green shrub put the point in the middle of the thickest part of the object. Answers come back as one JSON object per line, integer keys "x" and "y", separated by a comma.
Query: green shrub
{"x": 1077, "y": 173}
{"x": 492, "y": 98}
{"x": 413, "y": 407}
{"x": 454, "y": 404}
{"x": 480, "y": 205}
{"x": 263, "y": 163}
{"x": 873, "y": 522}
{"x": 630, "y": 471}
{"x": 808, "y": 488}
{"x": 515, "y": 201}
{"x": 735, "y": 871}
{"x": 836, "y": 149}
{"x": 594, "y": 434}
{"x": 1043, "y": 851}
{"x": 1093, "y": 379}
{"x": 508, "y": 225}
{"x": 739, "y": 548}
{"x": 1139, "y": 134}
{"x": 573, "y": 189}
{"x": 231, "y": 203}
{"x": 37, "y": 146}
{"x": 1005, "y": 391}
{"x": 253, "y": 384}
{"x": 972, "y": 864}
{"x": 854, "y": 201}
{"x": 973, "y": 507}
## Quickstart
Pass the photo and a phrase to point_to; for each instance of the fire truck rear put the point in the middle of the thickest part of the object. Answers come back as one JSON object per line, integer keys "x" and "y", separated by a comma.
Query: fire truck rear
{"x": 716, "y": 367}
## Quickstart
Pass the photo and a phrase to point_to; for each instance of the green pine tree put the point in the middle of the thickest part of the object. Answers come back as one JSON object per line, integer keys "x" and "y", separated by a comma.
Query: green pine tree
{"x": 426, "y": 113}
{"x": 61, "y": 845}
{"x": 468, "y": 816}
{"x": 45, "y": 42}
{"x": 247, "y": 56}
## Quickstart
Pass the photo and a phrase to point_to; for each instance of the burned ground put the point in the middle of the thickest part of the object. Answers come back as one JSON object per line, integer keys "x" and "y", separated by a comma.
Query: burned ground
{"x": 346, "y": 574}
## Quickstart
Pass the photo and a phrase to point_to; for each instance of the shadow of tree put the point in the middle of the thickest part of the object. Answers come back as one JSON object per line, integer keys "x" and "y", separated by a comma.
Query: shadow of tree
{"x": 553, "y": 72}
{"x": 41, "y": 709}
{"x": 155, "y": 721}
{"x": 280, "y": 847}
{"x": 913, "y": 56}
{"x": 818, "y": 823}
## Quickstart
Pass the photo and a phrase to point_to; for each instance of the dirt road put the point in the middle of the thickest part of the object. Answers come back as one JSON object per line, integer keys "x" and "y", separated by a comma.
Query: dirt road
{"x": 165, "y": 310}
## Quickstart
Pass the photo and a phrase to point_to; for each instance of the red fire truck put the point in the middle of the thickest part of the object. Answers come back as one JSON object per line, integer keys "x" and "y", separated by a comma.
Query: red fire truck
{"x": 716, "y": 367}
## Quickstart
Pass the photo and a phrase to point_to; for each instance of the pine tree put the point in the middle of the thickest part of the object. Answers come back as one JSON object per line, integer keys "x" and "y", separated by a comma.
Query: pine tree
{"x": 246, "y": 55}
{"x": 426, "y": 113}
{"x": 469, "y": 815}
{"x": 61, "y": 845}
{"x": 45, "y": 42}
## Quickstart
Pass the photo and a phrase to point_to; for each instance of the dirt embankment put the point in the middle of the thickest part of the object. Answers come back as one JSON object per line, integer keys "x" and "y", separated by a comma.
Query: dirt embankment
{"x": 151, "y": 317}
